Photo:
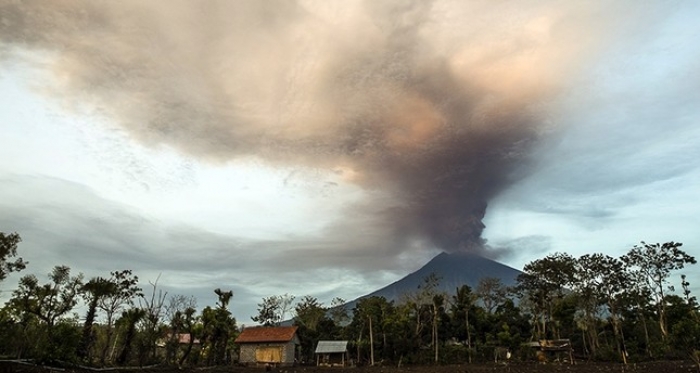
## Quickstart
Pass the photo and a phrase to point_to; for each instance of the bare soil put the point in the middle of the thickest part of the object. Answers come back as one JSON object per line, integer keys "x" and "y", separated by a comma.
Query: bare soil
{"x": 581, "y": 367}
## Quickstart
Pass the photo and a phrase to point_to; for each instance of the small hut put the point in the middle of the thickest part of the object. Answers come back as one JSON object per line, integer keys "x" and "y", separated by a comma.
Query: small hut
{"x": 268, "y": 346}
{"x": 332, "y": 353}
{"x": 554, "y": 347}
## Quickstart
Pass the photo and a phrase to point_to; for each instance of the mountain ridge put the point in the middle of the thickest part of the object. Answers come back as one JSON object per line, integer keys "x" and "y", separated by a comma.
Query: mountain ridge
{"x": 453, "y": 270}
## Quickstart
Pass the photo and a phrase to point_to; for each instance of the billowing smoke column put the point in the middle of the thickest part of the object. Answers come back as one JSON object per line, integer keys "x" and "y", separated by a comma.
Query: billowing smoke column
{"x": 430, "y": 106}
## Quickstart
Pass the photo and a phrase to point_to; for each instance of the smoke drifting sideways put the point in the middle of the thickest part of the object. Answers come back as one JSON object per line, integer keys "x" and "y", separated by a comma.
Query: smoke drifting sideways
{"x": 431, "y": 107}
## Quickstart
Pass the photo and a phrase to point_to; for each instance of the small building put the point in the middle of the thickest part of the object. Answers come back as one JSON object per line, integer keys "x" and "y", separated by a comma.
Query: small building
{"x": 180, "y": 339}
{"x": 547, "y": 348}
{"x": 178, "y": 344}
{"x": 332, "y": 353}
{"x": 268, "y": 345}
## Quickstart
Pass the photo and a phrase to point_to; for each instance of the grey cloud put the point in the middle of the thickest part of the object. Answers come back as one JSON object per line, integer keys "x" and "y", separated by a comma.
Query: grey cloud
{"x": 65, "y": 223}
{"x": 411, "y": 97}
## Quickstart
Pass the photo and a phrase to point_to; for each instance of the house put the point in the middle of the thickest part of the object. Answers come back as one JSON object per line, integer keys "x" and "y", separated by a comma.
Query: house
{"x": 180, "y": 339}
{"x": 332, "y": 353}
{"x": 552, "y": 346}
{"x": 268, "y": 345}
{"x": 176, "y": 345}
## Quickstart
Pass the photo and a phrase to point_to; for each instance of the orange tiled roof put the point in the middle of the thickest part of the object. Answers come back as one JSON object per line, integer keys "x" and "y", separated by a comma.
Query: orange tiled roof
{"x": 267, "y": 334}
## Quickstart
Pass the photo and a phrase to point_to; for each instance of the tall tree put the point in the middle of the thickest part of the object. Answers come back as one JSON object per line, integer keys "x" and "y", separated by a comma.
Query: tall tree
{"x": 611, "y": 284}
{"x": 273, "y": 309}
{"x": 655, "y": 262}
{"x": 188, "y": 321}
{"x": 426, "y": 303}
{"x": 339, "y": 312}
{"x": 8, "y": 251}
{"x": 92, "y": 291}
{"x": 51, "y": 300}
{"x": 124, "y": 289}
{"x": 585, "y": 286}
{"x": 309, "y": 312}
{"x": 310, "y": 316}
{"x": 492, "y": 292}
{"x": 129, "y": 319}
{"x": 371, "y": 319}
{"x": 543, "y": 282}
{"x": 219, "y": 325}
{"x": 462, "y": 307}
{"x": 47, "y": 303}
{"x": 154, "y": 307}
{"x": 175, "y": 315}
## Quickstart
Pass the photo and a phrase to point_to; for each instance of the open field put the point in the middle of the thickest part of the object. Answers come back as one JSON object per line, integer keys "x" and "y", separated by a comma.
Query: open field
{"x": 583, "y": 367}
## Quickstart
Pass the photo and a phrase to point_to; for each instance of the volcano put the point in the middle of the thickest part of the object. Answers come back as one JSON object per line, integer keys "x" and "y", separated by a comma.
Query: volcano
{"x": 453, "y": 270}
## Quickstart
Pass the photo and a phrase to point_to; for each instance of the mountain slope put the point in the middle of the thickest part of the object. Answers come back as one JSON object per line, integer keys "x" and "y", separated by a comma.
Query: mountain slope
{"x": 454, "y": 270}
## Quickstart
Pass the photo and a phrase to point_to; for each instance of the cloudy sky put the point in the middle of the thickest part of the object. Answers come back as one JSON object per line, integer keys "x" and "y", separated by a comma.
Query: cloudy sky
{"x": 330, "y": 148}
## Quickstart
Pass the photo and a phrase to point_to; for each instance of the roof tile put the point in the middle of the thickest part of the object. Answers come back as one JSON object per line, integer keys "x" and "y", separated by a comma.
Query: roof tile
{"x": 267, "y": 334}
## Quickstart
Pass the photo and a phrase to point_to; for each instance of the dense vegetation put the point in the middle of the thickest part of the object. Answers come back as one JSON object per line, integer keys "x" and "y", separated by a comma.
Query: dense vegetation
{"x": 612, "y": 309}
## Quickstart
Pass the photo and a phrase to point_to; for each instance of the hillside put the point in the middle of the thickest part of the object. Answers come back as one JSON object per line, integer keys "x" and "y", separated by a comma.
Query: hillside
{"x": 454, "y": 270}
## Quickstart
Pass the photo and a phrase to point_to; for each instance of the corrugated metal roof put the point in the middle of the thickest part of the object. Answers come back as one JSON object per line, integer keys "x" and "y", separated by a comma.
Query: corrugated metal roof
{"x": 331, "y": 347}
{"x": 267, "y": 334}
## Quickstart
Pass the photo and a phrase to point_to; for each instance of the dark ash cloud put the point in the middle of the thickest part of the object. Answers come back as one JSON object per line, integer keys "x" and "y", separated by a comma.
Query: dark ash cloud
{"x": 432, "y": 107}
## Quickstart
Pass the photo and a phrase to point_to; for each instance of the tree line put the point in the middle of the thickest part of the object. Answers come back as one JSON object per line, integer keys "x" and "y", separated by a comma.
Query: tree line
{"x": 122, "y": 324}
{"x": 627, "y": 308}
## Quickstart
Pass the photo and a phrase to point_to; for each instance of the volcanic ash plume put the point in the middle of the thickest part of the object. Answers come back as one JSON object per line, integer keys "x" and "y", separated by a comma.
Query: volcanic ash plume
{"x": 429, "y": 105}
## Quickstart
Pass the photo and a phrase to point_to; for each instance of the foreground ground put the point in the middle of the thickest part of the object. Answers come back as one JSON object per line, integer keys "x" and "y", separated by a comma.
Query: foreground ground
{"x": 582, "y": 367}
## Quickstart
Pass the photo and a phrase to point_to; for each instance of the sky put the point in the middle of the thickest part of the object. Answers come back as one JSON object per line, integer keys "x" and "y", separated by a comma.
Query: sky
{"x": 329, "y": 148}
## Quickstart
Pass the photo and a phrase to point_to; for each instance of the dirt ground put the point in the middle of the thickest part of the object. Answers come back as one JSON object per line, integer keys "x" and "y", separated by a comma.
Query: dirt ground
{"x": 582, "y": 367}
{"x": 656, "y": 367}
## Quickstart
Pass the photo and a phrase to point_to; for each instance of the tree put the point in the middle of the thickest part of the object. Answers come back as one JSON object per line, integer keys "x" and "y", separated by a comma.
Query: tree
{"x": 188, "y": 321}
{"x": 273, "y": 309}
{"x": 129, "y": 319}
{"x": 51, "y": 300}
{"x": 426, "y": 304}
{"x": 693, "y": 301}
{"x": 124, "y": 288}
{"x": 310, "y": 315}
{"x": 462, "y": 305}
{"x": 683, "y": 320}
{"x": 153, "y": 307}
{"x": 218, "y": 325}
{"x": 92, "y": 291}
{"x": 339, "y": 312}
{"x": 655, "y": 262}
{"x": 602, "y": 279}
{"x": 585, "y": 285}
{"x": 543, "y": 282}
{"x": 372, "y": 317}
{"x": 177, "y": 317}
{"x": 492, "y": 292}
{"x": 47, "y": 303}
{"x": 8, "y": 250}
{"x": 309, "y": 312}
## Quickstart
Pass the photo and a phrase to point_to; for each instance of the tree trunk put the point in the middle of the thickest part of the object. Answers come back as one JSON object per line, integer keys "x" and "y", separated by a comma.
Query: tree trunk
{"x": 646, "y": 330}
{"x": 359, "y": 343}
{"x": 110, "y": 334}
{"x": 435, "y": 333}
{"x": 469, "y": 335}
{"x": 86, "y": 341}
{"x": 371, "y": 343}
{"x": 187, "y": 351}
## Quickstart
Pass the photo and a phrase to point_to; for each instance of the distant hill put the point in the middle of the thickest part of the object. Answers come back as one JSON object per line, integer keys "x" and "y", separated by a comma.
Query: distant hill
{"x": 454, "y": 270}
